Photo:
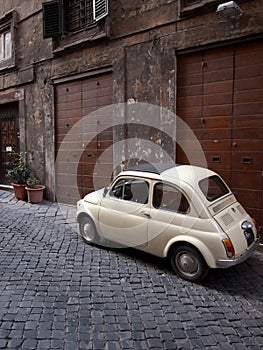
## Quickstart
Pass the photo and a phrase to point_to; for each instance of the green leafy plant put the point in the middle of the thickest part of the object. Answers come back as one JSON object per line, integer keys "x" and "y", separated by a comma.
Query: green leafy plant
{"x": 17, "y": 170}
{"x": 33, "y": 182}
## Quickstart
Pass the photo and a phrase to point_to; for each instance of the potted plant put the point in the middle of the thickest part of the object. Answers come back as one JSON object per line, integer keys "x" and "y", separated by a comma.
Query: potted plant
{"x": 18, "y": 172}
{"x": 34, "y": 190}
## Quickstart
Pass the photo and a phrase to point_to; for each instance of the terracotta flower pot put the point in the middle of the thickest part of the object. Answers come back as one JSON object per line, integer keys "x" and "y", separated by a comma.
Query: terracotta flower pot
{"x": 20, "y": 191}
{"x": 35, "y": 195}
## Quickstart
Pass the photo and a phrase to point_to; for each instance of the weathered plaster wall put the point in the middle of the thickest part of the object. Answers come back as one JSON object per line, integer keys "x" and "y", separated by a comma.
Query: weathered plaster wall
{"x": 213, "y": 29}
{"x": 32, "y": 75}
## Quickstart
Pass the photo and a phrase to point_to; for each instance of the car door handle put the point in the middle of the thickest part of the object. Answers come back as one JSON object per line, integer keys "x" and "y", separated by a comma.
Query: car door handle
{"x": 144, "y": 213}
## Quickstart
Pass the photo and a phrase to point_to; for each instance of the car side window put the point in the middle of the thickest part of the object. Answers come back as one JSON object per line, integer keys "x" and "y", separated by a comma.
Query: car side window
{"x": 170, "y": 198}
{"x": 134, "y": 190}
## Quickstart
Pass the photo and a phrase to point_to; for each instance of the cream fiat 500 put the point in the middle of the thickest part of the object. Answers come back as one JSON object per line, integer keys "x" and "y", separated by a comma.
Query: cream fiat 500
{"x": 181, "y": 212}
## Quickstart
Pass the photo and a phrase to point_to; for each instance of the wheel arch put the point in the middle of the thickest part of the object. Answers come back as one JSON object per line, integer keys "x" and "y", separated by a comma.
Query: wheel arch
{"x": 83, "y": 215}
{"x": 203, "y": 250}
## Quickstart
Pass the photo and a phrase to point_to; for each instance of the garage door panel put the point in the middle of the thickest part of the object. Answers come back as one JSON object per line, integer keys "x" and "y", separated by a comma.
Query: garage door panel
{"x": 195, "y": 101}
{"x": 224, "y": 74}
{"x": 217, "y": 110}
{"x": 249, "y": 120}
{"x": 244, "y": 58}
{"x": 191, "y": 80}
{"x": 246, "y": 180}
{"x": 74, "y": 101}
{"x": 248, "y": 108}
{"x": 193, "y": 90}
{"x": 248, "y": 71}
{"x": 247, "y": 160}
{"x": 250, "y": 198}
{"x": 187, "y": 133}
{"x": 69, "y": 89}
{"x": 214, "y": 64}
{"x": 249, "y": 96}
{"x": 218, "y": 159}
{"x": 217, "y": 122}
{"x": 215, "y": 145}
{"x": 249, "y": 83}
{"x": 193, "y": 112}
{"x": 247, "y": 133}
{"x": 218, "y": 87}
{"x": 249, "y": 145}
{"x": 217, "y": 99}
{"x": 61, "y": 107}
{"x": 218, "y": 134}
{"x": 231, "y": 126}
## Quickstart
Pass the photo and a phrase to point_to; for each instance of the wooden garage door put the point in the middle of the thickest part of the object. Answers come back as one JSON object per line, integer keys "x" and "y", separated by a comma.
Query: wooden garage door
{"x": 74, "y": 100}
{"x": 220, "y": 97}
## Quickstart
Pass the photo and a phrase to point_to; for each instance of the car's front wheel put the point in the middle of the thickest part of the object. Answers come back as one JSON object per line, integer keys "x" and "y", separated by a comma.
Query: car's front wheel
{"x": 188, "y": 263}
{"x": 88, "y": 230}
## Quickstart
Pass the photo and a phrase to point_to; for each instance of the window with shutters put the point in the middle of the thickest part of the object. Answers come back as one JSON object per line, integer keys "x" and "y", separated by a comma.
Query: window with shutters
{"x": 78, "y": 14}
{"x": 62, "y": 17}
{"x": 5, "y": 45}
{"x": 7, "y": 40}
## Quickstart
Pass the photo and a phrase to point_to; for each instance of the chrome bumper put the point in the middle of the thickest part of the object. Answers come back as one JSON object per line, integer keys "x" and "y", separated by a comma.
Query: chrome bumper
{"x": 239, "y": 259}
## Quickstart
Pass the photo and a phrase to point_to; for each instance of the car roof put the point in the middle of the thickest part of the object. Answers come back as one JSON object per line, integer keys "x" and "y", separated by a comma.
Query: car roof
{"x": 169, "y": 172}
{"x": 155, "y": 168}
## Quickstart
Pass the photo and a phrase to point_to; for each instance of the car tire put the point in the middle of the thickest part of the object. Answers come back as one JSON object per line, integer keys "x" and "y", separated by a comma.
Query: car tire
{"x": 188, "y": 263}
{"x": 88, "y": 230}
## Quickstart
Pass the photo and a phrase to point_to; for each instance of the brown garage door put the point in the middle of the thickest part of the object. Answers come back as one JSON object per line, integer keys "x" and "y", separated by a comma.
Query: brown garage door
{"x": 74, "y": 100}
{"x": 220, "y": 97}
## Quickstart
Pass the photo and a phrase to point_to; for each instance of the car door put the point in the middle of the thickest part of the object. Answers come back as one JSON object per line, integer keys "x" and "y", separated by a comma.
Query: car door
{"x": 125, "y": 211}
{"x": 168, "y": 214}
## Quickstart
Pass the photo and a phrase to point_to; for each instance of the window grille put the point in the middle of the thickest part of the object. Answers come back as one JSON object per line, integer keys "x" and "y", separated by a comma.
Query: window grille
{"x": 77, "y": 14}
{"x": 69, "y": 16}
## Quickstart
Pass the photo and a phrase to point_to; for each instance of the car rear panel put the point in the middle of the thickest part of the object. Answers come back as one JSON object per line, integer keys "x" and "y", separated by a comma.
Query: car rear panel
{"x": 230, "y": 220}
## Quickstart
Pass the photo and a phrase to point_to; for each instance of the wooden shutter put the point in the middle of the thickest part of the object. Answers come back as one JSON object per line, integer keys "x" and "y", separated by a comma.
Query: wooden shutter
{"x": 100, "y": 9}
{"x": 52, "y": 19}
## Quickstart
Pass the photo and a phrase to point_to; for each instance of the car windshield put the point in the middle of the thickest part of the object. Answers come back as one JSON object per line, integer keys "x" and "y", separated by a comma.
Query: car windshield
{"x": 213, "y": 188}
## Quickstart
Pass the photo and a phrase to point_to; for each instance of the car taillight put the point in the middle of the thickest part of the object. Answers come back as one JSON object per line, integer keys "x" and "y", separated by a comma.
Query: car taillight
{"x": 230, "y": 251}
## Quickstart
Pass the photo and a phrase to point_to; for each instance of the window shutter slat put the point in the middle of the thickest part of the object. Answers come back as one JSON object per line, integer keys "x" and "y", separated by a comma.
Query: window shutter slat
{"x": 100, "y": 9}
{"x": 52, "y": 19}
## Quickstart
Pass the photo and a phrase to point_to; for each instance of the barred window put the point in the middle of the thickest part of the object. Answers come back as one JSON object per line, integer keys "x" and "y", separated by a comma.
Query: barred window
{"x": 78, "y": 14}
{"x": 61, "y": 17}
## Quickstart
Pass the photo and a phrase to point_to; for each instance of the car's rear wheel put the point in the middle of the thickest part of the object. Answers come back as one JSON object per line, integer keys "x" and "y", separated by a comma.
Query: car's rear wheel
{"x": 88, "y": 230}
{"x": 188, "y": 263}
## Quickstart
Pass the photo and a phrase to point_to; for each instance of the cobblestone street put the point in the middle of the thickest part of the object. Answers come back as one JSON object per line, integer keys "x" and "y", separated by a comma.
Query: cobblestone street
{"x": 57, "y": 292}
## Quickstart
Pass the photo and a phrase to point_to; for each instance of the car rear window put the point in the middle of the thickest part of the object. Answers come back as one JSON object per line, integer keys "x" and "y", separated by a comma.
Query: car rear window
{"x": 213, "y": 188}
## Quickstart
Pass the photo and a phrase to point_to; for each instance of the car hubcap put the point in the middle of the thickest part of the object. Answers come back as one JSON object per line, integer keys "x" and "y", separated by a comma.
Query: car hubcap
{"x": 88, "y": 232}
{"x": 187, "y": 263}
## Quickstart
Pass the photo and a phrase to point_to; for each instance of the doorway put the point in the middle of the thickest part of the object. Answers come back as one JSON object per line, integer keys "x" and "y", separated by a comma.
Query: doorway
{"x": 9, "y": 136}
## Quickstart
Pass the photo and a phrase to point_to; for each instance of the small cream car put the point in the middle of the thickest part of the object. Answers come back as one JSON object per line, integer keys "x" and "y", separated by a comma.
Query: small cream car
{"x": 181, "y": 212}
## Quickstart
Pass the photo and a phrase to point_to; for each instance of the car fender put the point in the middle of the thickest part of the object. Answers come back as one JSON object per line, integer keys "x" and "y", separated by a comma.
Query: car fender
{"x": 88, "y": 209}
{"x": 196, "y": 243}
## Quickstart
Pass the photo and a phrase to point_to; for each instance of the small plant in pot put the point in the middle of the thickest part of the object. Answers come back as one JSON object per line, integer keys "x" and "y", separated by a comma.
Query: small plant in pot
{"x": 34, "y": 190}
{"x": 18, "y": 173}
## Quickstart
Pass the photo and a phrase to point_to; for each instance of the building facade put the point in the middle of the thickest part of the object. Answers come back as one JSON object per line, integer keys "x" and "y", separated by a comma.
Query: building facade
{"x": 63, "y": 60}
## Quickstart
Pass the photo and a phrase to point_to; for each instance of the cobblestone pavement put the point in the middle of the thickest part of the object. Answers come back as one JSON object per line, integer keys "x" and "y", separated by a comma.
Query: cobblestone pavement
{"x": 57, "y": 292}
